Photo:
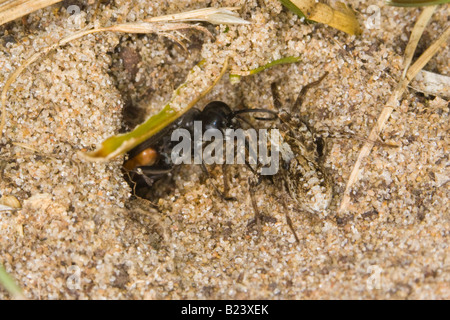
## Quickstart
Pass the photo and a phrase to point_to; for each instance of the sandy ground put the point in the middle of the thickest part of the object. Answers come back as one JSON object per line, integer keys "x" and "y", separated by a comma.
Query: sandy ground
{"x": 79, "y": 236}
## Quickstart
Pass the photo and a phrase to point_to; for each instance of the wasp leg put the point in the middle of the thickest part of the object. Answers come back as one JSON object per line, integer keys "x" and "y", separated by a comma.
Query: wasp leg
{"x": 219, "y": 193}
{"x": 142, "y": 178}
{"x": 259, "y": 217}
{"x": 226, "y": 185}
{"x": 250, "y": 151}
{"x": 154, "y": 171}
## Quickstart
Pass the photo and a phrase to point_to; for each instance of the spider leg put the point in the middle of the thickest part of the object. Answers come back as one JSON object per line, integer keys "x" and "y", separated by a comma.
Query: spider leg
{"x": 299, "y": 101}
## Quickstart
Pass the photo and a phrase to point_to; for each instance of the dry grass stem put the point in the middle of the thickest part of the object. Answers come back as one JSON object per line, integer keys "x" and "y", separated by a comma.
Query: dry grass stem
{"x": 416, "y": 34}
{"x": 159, "y": 25}
{"x": 211, "y": 15}
{"x": 139, "y": 27}
{"x": 386, "y": 112}
{"x": 14, "y": 9}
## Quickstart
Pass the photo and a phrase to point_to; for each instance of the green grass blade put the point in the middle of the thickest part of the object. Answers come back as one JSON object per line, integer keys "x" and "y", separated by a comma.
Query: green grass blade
{"x": 415, "y": 3}
{"x": 292, "y": 7}
{"x": 235, "y": 76}
{"x": 275, "y": 63}
{"x": 9, "y": 284}
{"x": 121, "y": 143}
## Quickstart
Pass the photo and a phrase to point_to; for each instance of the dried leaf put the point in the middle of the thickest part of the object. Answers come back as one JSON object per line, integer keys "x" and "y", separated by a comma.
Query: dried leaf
{"x": 11, "y": 202}
{"x": 341, "y": 18}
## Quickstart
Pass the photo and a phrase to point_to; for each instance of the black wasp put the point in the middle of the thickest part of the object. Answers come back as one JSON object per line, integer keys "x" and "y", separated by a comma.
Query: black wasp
{"x": 302, "y": 175}
{"x": 151, "y": 160}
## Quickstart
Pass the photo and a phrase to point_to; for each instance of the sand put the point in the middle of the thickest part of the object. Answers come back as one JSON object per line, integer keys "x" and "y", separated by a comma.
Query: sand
{"x": 81, "y": 235}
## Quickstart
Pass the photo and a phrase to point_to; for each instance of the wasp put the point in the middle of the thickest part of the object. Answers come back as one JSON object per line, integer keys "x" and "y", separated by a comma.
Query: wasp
{"x": 151, "y": 160}
{"x": 301, "y": 174}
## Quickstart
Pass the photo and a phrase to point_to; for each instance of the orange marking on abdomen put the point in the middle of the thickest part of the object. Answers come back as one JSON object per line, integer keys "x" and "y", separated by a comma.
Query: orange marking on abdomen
{"x": 147, "y": 157}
